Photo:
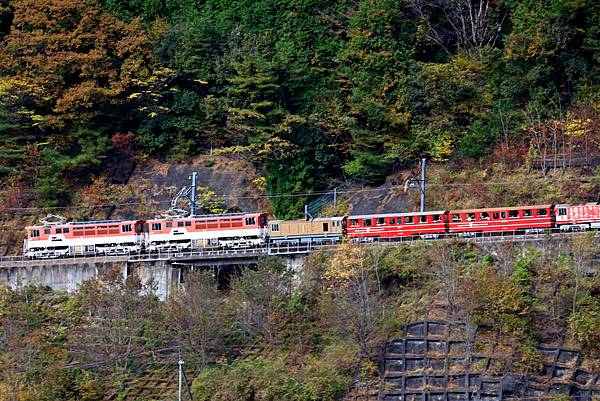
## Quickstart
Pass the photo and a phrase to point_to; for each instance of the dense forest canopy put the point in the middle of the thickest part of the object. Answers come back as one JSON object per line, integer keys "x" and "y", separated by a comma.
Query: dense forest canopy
{"x": 310, "y": 90}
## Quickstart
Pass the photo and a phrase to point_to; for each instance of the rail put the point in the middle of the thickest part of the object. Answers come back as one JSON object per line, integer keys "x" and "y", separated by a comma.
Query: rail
{"x": 301, "y": 249}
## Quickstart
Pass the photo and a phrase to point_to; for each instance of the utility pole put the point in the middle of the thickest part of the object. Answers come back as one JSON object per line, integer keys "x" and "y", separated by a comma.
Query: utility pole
{"x": 193, "y": 195}
{"x": 423, "y": 166}
{"x": 180, "y": 392}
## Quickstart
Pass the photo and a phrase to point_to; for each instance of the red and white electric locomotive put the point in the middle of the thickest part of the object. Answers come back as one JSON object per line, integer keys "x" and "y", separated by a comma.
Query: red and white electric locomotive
{"x": 241, "y": 230}
{"x": 110, "y": 237}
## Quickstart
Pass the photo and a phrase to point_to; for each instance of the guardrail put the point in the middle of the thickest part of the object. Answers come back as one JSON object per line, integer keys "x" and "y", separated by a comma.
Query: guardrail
{"x": 22, "y": 261}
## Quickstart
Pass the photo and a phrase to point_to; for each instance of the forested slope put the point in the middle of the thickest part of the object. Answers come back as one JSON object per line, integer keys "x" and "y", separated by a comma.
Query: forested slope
{"x": 311, "y": 91}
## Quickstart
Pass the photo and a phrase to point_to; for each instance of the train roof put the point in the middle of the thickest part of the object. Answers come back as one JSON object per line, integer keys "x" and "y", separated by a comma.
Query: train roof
{"x": 500, "y": 209}
{"x": 80, "y": 223}
{"x": 336, "y": 218}
{"x": 366, "y": 216}
{"x": 206, "y": 216}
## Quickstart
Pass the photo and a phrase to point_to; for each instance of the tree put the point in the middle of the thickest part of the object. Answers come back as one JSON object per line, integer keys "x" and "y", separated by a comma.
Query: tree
{"x": 194, "y": 316}
{"x": 257, "y": 295}
{"x": 119, "y": 313}
{"x": 353, "y": 303}
{"x": 466, "y": 25}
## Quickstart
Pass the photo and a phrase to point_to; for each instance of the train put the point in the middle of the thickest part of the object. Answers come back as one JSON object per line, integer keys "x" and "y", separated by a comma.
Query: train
{"x": 249, "y": 230}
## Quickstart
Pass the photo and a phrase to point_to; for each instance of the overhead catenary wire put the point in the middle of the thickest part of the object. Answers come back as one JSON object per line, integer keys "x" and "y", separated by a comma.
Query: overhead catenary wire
{"x": 296, "y": 195}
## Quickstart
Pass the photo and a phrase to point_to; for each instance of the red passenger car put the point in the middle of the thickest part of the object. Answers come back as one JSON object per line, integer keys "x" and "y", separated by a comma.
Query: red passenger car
{"x": 501, "y": 219}
{"x": 397, "y": 225}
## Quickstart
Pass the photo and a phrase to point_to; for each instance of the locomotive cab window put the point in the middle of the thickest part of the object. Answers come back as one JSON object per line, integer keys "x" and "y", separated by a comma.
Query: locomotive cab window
{"x": 126, "y": 228}
{"x": 484, "y": 216}
{"x": 513, "y": 214}
{"x": 46, "y": 231}
{"x": 65, "y": 230}
{"x": 456, "y": 217}
{"x": 527, "y": 213}
{"x": 250, "y": 221}
{"x": 35, "y": 233}
{"x": 408, "y": 220}
{"x": 422, "y": 219}
{"x": 275, "y": 227}
{"x": 59, "y": 230}
{"x": 562, "y": 211}
{"x": 325, "y": 227}
{"x": 188, "y": 223}
{"x": 156, "y": 226}
{"x": 380, "y": 221}
{"x": 542, "y": 212}
{"x": 436, "y": 218}
{"x": 169, "y": 225}
{"x": 180, "y": 224}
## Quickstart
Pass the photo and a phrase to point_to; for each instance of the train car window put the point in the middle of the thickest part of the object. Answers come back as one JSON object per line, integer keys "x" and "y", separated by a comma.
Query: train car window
{"x": 495, "y": 215}
{"x": 65, "y": 230}
{"x": 502, "y": 215}
{"x": 250, "y": 221}
{"x": 126, "y": 228}
{"x": 325, "y": 227}
{"x": 436, "y": 218}
{"x": 169, "y": 224}
{"x": 180, "y": 224}
{"x": 46, "y": 231}
{"x": 408, "y": 220}
{"x": 470, "y": 216}
{"x": 59, "y": 230}
{"x": 484, "y": 216}
{"x": 542, "y": 212}
{"x": 35, "y": 233}
{"x": 380, "y": 221}
{"x": 456, "y": 217}
{"x": 354, "y": 223}
{"x": 367, "y": 222}
{"x": 422, "y": 219}
{"x": 392, "y": 221}
{"x": 513, "y": 214}
{"x": 78, "y": 229}
{"x": 562, "y": 211}
{"x": 188, "y": 223}
{"x": 275, "y": 227}
{"x": 527, "y": 213}
{"x": 156, "y": 226}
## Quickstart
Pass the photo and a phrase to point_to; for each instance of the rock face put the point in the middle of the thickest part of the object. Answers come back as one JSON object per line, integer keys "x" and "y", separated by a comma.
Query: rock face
{"x": 390, "y": 197}
{"x": 231, "y": 179}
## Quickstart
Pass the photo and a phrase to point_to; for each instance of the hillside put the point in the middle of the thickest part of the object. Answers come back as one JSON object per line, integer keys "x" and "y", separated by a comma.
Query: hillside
{"x": 515, "y": 319}
{"x": 312, "y": 93}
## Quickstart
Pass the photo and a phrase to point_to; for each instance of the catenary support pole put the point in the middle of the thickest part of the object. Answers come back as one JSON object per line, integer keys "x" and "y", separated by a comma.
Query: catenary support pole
{"x": 423, "y": 166}
{"x": 193, "y": 194}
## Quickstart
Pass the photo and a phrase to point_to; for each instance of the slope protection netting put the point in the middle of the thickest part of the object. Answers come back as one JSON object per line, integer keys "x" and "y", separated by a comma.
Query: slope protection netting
{"x": 452, "y": 361}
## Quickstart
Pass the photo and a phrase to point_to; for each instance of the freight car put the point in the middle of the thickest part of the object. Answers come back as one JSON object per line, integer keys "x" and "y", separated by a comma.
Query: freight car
{"x": 318, "y": 231}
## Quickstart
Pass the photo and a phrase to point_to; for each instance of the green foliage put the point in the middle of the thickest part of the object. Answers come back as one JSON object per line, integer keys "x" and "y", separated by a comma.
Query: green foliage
{"x": 585, "y": 324}
{"x": 324, "y": 378}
